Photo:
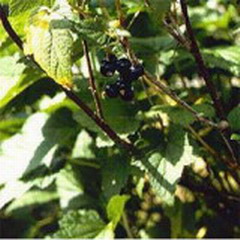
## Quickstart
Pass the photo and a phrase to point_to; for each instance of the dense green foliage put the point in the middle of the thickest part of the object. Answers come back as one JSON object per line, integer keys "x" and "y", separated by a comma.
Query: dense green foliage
{"x": 61, "y": 176}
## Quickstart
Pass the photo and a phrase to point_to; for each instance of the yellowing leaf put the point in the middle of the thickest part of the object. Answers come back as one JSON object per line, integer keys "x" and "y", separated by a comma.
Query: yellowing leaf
{"x": 50, "y": 41}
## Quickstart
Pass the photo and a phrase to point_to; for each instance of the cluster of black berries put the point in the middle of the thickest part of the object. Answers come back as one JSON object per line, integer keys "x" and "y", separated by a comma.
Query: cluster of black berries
{"x": 127, "y": 74}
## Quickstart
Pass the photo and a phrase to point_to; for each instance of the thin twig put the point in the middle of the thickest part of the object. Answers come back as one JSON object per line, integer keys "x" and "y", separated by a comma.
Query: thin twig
{"x": 100, "y": 122}
{"x": 202, "y": 69}
{"x": 178, "y": 100}
{"x": 119, "y": 12}
{"x": 126, "y": 225}
{"x": 204, "y": 73}
{"x": 204, "y": 144}
{"x": 92, "y": 83}
{"x": 91, "y": 79}
{"x": 6, "y": 24}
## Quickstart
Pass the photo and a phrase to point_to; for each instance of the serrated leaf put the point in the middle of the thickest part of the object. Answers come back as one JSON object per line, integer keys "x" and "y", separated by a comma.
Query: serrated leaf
{"x": 234, "y": 118}
{"x": 69, "y": 186}
{"x": 35, "y": 146}
{"x": 165, "y": 168}
{"x": 19, "y": 6}
{"x": 50, "y": 41}
{"x": 92, "y": 30}
{"x": 80, "y": 224}
{"x": 115, "y": 208}
{"x": 226, "y": 58}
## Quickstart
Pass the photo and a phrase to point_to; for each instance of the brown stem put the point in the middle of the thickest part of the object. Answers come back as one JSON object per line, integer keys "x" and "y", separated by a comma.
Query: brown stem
{"x": 6, "y": 24}
{"x": 92, "y": 83}
{"x": 100, "y": 122}
{"x": 203, "y": 71}
{"x": 204, "y": 144}
{"x": 175, "y": 97}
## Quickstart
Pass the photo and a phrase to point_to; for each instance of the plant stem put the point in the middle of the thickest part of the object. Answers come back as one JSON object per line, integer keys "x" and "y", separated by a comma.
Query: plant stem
{"x": 100, "y": 122}
{"x": 178, "y": 100}
{"x": 92, "y": 83}
{"x": 202, "y": 69}
{"x": 204, "y": 73}
{"x": 7, "y": 26}
{"x": 204, "y": 144}
{"x": 126, "y": 225}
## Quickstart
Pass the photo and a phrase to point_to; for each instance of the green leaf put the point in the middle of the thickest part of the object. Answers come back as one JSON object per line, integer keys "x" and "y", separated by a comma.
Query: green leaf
{"x": 69, "y": 186}
{"x": 14, "y": 79}
{"x": 158, "y": 8}
{"x": 227, "y": 58}
{"x": 34, "y": 197}
{"x": 83, "y": 146}
{"x": 152, "y": 44}
{"x": 80, "y": 224}
{"x": 10, "y": 127}
{"x": 19, "y": 6}
{"x": 235, "y": 137}
{"x": 115, "y": 208}
{"x": 5, "y": 1}
{"x": 15, "y": 189}
{"x": 107, "y": 233}
{"x": 12, "y": 190}
{"x": 35, "y": 146}
{"x": 115, "y": 172}
{"x": 179, "y": 115}
{"x": 165, "y": 168}
{"x": 234, "y": 118}
{"x": 92, "y": 30}
{"x": 121, "y": 115}
{"x": 50, "y": 41}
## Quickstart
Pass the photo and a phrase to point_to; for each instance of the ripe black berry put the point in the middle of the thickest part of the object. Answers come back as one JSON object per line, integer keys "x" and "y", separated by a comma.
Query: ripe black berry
{"x": 123, "y": 65}
{"x": 136, "y": 72}
{"x": 126, "y": 92}
{"x": 107, "y": 68}
{"x": 112, "y": 90}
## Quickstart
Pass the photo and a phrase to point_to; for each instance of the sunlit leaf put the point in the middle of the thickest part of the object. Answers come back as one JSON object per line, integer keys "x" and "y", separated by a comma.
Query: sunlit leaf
{"x": 80, "y": 224}
{"x": 50, "y": 41}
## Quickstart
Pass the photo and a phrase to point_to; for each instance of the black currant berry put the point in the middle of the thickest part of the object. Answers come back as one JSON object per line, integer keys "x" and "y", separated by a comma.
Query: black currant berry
{"x": 123, "y": 65}
{"x": 137, "y": 71}
{"x": 112, "y": 90}
{"x": 107, "y": 68}
{"x": 126, "y": 92}
{"x": 125, "y": 77}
